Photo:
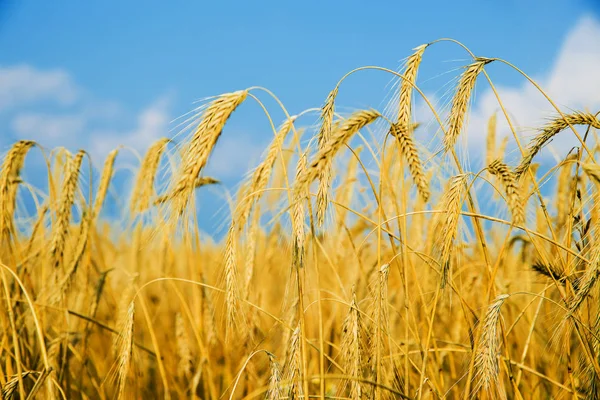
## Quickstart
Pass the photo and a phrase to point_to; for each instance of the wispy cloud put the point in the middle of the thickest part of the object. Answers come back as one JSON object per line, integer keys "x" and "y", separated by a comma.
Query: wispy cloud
{"x": 23, "y": 84}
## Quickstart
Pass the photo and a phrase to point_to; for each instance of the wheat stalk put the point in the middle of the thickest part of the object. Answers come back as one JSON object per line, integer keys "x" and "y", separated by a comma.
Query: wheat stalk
{"x": 461, "y": 99}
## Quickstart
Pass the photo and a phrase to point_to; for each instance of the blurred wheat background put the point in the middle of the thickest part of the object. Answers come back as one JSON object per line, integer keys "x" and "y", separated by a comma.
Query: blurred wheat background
{"x": 407, "y": 276}
{"x": 342, "y": 215}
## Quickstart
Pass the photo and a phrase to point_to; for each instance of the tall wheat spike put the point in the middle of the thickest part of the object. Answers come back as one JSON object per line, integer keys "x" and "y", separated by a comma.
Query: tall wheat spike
{"x": 274, "y": 392}
{"x": 143, "y": 190}
{"x": 353, "y": 351}
{"x": 60, "y": 231}
{"x": 298, "y": 217}
{"x": 124, "y": 349}
{"x": 324, "y": 136}
{"x": 486, "y": 359}
{"x": 461, "y": 99}
{"x": 511, "y": 188}
{"x": 549, "y": 131}
{"x": 452, "y": 205}
{"x": 231, "y": 283}
{"x": 340, "y": 137}
{"x": 260, "y": 178}
{"x": 411, "y": 154}
{"x": 203, "y": 141}
{"x": 107, "y": 172}
{"x": 9, "y": 175}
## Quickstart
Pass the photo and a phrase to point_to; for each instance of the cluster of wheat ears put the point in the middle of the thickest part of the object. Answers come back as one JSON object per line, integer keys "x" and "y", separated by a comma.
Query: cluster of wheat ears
{"x": 364, "y": 284}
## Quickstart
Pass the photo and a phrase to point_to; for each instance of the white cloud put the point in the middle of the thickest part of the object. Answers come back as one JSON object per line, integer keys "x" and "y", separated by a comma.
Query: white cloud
{"x": 23, "y": 84}
{"x": 572, "y": 82}
{"x": 47, "y": 127}
{"x": 152, "y": 124}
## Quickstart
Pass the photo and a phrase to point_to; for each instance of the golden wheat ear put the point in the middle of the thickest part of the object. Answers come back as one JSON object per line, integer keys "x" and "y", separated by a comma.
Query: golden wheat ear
{"x": 411, "y": 154}
{"x": 201, "y": 145}
{"x": 275, "y": 386}
{"x": 511, "y": 188}
{"x": 486, "y": 359}
{"x": 461, "y": 99}
{"x": 549, "y": 131}
{"x": 324, "y": 136}
{"x": 452, "y": 205}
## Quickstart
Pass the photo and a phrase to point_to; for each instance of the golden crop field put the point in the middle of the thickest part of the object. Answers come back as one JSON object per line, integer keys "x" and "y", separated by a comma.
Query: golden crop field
{"x": 362, "y": 260}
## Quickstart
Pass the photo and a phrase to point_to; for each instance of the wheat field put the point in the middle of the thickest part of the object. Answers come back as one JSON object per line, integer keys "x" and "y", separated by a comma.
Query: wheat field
{"x": 362, "y": 259}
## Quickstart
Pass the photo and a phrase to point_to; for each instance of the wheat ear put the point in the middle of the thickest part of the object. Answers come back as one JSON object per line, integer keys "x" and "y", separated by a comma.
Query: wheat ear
{"x": 551, "y": 130}
{"x": 339, "y": 138}
{"x": 124, "y": 349}
{"x": 9, "y": 174}
{"x": 231, "y": 282}
{"x": 143, "y": 190}
{"x": 261, "y": 175}
{"x": 452, "y": 205}
{"x": 203, "y": 141}
{"x": 411, "y": 154}
{"x": 511, "y": 188}
{"x": 63, "y": 217}
{"x": 298, "y": 217}
{"x": 491, "y": 139}
{"x": 107, "y": 172}
{"x": 486, "y": 359}
{"x": 324, "y": 136}
{"x": 353, "y": 350}
{"x": 293, "y": 366}
{"x": 460, "y": 101}
{"x": 274, "y": 392}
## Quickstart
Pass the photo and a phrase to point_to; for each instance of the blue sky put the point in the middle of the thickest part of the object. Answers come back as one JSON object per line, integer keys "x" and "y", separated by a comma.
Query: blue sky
{"x": 96, "y": 74}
